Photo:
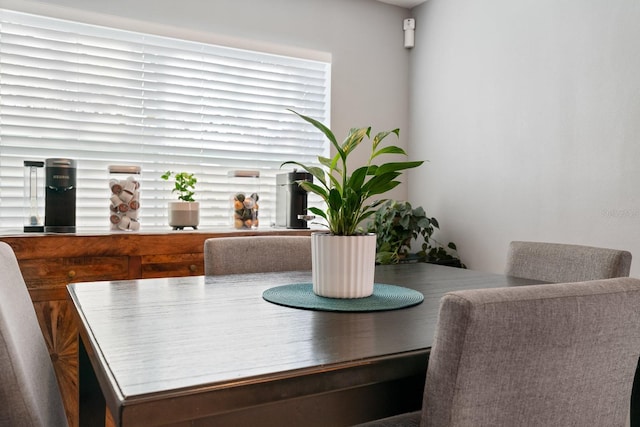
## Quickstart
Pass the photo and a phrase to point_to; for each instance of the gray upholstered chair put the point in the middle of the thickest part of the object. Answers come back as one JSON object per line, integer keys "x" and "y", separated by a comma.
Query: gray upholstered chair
{"x": 539, "y": 355}
{"x": 556, "y": 262}
{"x": 256, "y": 254}
{"x": 29, "y": 393}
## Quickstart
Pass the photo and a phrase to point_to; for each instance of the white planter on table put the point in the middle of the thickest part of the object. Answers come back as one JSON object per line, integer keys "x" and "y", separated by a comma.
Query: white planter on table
{"x": 343, "y": 266}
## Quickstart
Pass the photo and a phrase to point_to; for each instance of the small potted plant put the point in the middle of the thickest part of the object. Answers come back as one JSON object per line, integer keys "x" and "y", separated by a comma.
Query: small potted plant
{"x": 343, "y": 259}
{"x": 397, "y": 225}
{"x": 186, "y": 211}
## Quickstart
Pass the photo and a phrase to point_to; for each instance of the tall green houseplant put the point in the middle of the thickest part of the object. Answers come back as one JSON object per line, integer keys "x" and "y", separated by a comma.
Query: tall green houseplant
{"x": 348, "y": 194}
{"x": 344, "y": 258}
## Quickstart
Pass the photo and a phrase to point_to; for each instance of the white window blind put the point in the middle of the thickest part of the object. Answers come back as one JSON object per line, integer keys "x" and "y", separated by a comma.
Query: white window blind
{"x": 105, "y": 96}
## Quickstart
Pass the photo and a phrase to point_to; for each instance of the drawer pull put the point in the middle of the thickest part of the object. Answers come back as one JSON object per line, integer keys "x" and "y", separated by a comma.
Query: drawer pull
{"x": 71, "y": 274}
{"x": 193, "y": 268}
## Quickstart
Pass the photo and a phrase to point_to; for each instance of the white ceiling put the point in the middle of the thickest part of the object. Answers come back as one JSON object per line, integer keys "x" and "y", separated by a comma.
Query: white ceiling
{"x": 409, "y": 4}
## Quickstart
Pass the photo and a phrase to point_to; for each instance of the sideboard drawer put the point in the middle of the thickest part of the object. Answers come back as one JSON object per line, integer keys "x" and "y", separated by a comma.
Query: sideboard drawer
{"x": 173, "y": 265}
{"x": 41, "y": 274}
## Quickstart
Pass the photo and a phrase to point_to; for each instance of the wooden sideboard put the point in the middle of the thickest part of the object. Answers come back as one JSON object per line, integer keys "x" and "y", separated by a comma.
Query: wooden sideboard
{"x": 51, "y": 261}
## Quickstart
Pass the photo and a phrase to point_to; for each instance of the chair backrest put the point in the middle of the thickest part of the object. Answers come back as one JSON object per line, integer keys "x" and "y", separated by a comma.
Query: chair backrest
{"x": 256, "y": 254}
{"x": 556, "y": 262}
{"x": 29, "y": 393}
{"x": 535, "y": 355}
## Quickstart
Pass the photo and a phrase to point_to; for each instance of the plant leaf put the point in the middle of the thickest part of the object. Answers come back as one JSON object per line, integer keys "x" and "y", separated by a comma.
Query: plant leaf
{"x": 334, "y": 200}
{"x": 391, "y": 149}
{"x": 325, "y": 130}
{"x": 315, "y": 188}
{"x": 380, "y": 183}
{"x": 317, "y": 172}
{"x": 357, "y": 177}
{"x": 382, "y": 135}
{"x": 318, "y": 212}
{"x": 397, "y": 166}
{"x": 355, "y": 137}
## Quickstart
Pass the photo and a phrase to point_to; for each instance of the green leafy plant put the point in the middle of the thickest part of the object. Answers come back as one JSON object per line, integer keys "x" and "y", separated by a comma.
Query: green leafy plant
{"x": 184, "y": 184}
{"x": 397, "y": 225}
{"x": 347, "y": 194}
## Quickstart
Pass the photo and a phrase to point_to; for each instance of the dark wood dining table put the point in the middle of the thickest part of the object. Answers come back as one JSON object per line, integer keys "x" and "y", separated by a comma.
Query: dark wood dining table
{"x": 209, "y": 350}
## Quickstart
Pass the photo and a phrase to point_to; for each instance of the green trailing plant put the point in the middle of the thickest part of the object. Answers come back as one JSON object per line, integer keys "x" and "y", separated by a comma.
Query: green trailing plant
{"x": 398, "y": 225}
{"x": 184, "y": 184}
{"x": 348, "y": 194}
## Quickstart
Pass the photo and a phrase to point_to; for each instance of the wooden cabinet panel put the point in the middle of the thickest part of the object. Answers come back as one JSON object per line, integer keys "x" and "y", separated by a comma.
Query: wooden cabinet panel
{"x": 51, "y": 261}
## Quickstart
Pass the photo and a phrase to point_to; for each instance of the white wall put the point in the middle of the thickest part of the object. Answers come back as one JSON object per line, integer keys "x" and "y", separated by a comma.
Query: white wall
{"x": 370, "y": 71}
{"x": 529, "y": 113}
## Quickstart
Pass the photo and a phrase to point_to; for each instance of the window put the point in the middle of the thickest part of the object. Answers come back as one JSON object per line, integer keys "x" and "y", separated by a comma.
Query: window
{"x": 105, "y": 96}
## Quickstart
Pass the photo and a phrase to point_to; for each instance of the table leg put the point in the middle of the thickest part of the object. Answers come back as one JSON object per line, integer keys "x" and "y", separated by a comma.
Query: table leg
{"x": 635, "y": 399}
{"x": 92, "y": 402}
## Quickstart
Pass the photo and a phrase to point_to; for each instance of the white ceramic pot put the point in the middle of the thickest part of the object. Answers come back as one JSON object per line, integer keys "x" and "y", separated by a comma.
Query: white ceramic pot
{"x": 184, "y": 214}
{"x": 343, "y": 266}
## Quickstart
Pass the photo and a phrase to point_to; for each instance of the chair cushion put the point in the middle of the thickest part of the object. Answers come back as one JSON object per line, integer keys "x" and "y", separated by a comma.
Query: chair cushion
{"x": 555, "y": 262}
{"x": 29, "y": 392}
{"x": 542, "y": 355}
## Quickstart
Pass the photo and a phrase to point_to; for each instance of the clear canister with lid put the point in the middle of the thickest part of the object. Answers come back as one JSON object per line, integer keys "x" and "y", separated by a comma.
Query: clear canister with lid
{"x": 124, "y": 199}
{"x": 245, "y": 198}
{"x": 34, "y": 195}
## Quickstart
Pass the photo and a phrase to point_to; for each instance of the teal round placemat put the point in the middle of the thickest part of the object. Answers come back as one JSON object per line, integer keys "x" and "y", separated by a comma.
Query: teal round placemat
{"x": 385, "y": 297}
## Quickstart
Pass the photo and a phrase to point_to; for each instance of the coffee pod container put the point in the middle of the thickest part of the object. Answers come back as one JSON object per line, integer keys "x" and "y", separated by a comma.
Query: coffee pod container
{"x": 245, "y": 198}
{"x": 124, "y": 197}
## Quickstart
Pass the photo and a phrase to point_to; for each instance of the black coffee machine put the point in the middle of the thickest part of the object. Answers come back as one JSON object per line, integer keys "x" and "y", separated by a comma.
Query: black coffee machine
{"x": 291, "y": 199}
{"x": 60, "y": 196}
